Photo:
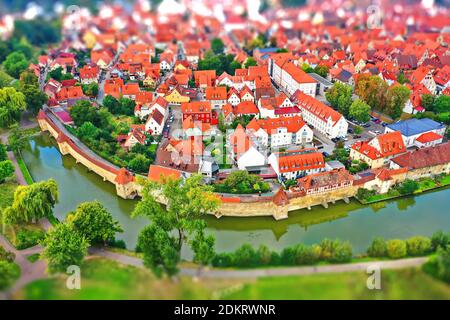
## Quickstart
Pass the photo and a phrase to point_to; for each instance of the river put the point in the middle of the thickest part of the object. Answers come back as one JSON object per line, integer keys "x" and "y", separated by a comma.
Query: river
{"x": 420, "y": 215}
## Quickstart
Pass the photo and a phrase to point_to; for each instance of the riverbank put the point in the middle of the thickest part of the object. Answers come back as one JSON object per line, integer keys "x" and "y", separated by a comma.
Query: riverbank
{"x": 425, "y": 185}
{"x": 106, "y": 279}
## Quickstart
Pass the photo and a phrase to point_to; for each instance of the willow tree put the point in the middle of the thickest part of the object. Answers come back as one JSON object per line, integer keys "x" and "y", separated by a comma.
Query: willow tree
{"x": 32, "y": 202}
{"x": 176, "y": 224}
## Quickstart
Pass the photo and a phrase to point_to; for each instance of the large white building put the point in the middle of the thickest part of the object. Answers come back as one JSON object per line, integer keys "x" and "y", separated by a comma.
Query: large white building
{"x": 288, "y": 76}
{"x": 323, "y": 118}
{"x": 280, "y": 132}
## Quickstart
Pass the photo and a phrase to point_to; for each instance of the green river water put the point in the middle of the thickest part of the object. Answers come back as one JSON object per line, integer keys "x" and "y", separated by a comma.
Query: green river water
{"x": 420, "y": 215}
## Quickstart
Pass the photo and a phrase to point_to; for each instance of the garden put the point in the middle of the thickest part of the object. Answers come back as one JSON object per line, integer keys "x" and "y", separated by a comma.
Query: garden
{"x": 242, "y": 182}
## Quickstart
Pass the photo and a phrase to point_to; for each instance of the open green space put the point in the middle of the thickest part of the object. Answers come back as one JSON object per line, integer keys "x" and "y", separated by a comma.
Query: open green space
{"x": 105, "y": 279}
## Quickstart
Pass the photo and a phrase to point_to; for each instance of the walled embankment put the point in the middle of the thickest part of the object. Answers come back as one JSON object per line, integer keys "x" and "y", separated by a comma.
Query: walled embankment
{"x": 127, "y": 187}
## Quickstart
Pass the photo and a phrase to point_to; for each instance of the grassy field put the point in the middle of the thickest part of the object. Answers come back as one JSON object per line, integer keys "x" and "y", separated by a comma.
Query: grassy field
{"x": 24, "y": 169}
{"x": 105, "y": 279}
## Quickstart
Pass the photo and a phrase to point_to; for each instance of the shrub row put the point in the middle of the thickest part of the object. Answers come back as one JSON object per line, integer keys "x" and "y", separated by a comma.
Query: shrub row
{"x": 412, "y": 247}
{"x": 246, "y": 256}
{"x": 334, "y": 251}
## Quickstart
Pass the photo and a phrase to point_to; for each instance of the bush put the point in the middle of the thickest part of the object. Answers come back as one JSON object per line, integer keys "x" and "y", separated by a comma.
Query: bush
{"x": 418, "y": 246}
{"x": 378, "y": 248}
{"x": 117, "y": 244}
{"x": 440, "y": 239}
{"x": 223, "y": 259}
{"x": 364, "y": 194}
{"x": 408, "y": 187}
{"x": 305, "y": 255}
{"x": 439, "y": 265}
{"x": 334, "y": 251}
{"x": 6, "y": 255}
{"x": 264, "y": 255}
{"x": 245, "y": 256}
{"x": 28, "y": 238}
{"x": 396, "y": 248}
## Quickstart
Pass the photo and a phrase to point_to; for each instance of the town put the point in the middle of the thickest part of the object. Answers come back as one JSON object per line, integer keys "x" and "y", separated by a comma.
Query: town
{"x": 239, "y": 109}
{"x": 298, "y": 115}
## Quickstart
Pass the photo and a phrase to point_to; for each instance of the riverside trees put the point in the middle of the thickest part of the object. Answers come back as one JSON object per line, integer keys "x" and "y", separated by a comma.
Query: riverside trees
{"x": 177, "y": 224}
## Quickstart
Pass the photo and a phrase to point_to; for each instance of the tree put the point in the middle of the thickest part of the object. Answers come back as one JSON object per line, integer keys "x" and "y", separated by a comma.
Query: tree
{"x": 340, "y": 97}
{"x": 12, "y": 103}
{"x": 396, "y": 98}
{"x": 175, "y": 224}
{"x": 245, "y": 256}
{"x": 15, "y": 64}
{"x": 139, "y": 163}
{"x": 9, "y": 272}
{"x": 83, "y": 111}
{"x": 440, "y": 239}
{"x": 418, "y": 246}
{"x": 94, "y": 222}
{"x": 112, "y": 104}
{"x": 442, "y": 104}
{"x": 32, "y": 202}
{"x": 372, "y": 90}
{"x": 402, "y": 79}
{"x": 56, "y": 74}
{"x": 378, "y": 248}
{"x": 396, "y": 248}
{"x": 428, "y": 101}
{"x": 250, "y": 62}
{"x": 6, "y": 170}
{"x": 17, "y": 140}
{"x": 28, "y": 78}
{"x": 5, "y": 79}
{"x": 37, "y": 31}
{"x": 217, "y": 46}
{"x": 127, "y": 106}
{"x": 88, "y": 131}
{"x": 307, "y": 68}
{"x": 34, "y": 98}
{"x": 3, "y": 154}
{"x": 91, "y": 89}
{"x": 321, "y": 70}
{"x": 203, "y": 245}
{"x": 63, "y": 247}
{"x": 408, "y": 186}
{"x": 439, "y": 265}
{"x": 359, "y": 110}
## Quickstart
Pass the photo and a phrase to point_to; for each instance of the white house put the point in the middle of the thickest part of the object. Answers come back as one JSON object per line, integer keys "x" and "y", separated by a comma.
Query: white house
{"x": 414, "y": 129}
{"x": 323, "y": 118}
{"x": 159, "y": 103}
{"x": 289, "y": 76}
{"x": 280, "y": 132}
{"x": 155, "y": 122}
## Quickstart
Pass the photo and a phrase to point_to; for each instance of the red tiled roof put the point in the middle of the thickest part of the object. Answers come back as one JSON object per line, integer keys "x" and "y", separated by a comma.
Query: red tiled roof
{"x": 246, "y": 107}
{"x": 158, "y": 173}
{"x": 196, "y": 107}
{"x": 216, "y": 93}
{"x": 319, "y": 109}
{"x": 300, "y": 160}
{"x": 293, "y": 124}
{"x": 429, "y": 137}
{"x": 426, "y": 157}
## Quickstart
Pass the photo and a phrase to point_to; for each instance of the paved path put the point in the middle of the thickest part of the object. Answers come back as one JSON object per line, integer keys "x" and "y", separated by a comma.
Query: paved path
{"x": 19, "y": 175}
{"x": 269, "y": 272}
{"x": 29, "y": 271}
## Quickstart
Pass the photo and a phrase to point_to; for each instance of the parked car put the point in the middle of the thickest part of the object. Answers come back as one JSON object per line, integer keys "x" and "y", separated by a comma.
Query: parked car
{"x": 325, "y": 154}
{"x": 377, "y": 131}
{"x": 350, "y": 130}
{"x": 384, "y": 124}
{"x": 357, "y": 136}
{"x": 366, "y": 125}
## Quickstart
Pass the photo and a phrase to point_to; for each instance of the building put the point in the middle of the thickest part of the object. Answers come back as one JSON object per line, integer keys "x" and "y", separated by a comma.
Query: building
{"x": 155, "y": 122}
{"x": 321, "y": 117}
{"x": 275, "y": 107}
{"x": 89, "y": 74}
{"x": 424, "y": 162}
{"x": 288, "y": 76}
{"x": 136, "y": 135}
{"x": 379, "y": 150}
{"x": 280, "y": 132}
{"x": 323, "y": 182}
{"x": 199, "y": 110}
{"x": 217, "y": 96}
{"x": 423, "y": 75}
{"x": 413, "y": 129}
{"x": 143, "y": 110}
{"x": 294, "y": 164}
{"x": 244, "y": 151}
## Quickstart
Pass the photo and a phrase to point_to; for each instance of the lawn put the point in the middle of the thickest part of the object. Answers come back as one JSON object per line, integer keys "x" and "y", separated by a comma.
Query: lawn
{"x": 7, "y": 193}
{"x": 106, "y": 279}
{"x": 395, "y": 284}
{"x": 24, "y": 169}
